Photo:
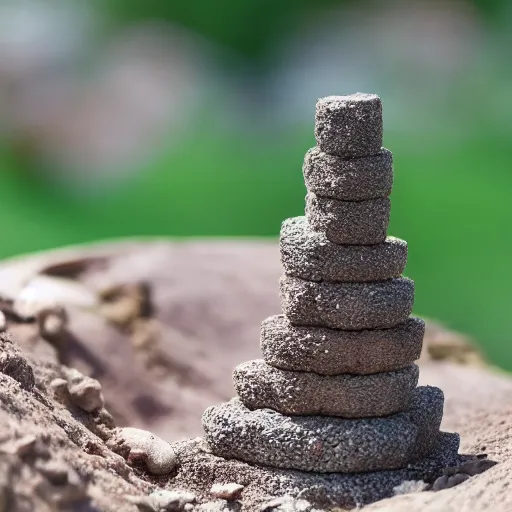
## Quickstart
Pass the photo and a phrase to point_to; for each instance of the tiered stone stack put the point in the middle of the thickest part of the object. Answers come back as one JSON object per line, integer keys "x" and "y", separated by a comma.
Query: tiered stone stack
{"x": 336, "y": 389}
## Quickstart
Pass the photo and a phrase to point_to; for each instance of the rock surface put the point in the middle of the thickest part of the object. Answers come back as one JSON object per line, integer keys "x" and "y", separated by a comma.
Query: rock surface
{"x": 349, "y": 126}
{"x": 309, "y": 255}
{"x": 228, "y": 286}
{"x": 356, "y": 179}
{"x": 261, "y": 386}
{"x": 325, "y": 444}
{"x": 349, "y": 222}
{"x": 350, "y": 306}
{"x": 332, "y": 351}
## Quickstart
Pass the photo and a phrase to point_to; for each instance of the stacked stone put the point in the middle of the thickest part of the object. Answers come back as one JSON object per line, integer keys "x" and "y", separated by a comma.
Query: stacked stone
{"x": 336, "y": 390}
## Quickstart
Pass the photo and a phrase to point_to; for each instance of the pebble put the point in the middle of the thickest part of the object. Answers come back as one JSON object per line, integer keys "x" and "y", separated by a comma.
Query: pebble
{"x": 160, "y": 458}
{"x": 84, "y": 391}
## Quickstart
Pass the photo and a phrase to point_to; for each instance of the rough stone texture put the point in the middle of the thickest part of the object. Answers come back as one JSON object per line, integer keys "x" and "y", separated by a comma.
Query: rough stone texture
{"x": 356, "y": 179}
{"x": 325, "y": 444}
{"x": 333, "y": 351}
{"x": 230, "y": 286}
{"x": 261, "y": 386}
{"x": 14, "y": 365}
{"x": 84, "y": 391}
{"x": 199, "y": 469}
{"x": 351, "y": 306}
{"x": 52, "y": 456}
{"x": 349, "y": 126}
{"x": 310, "y": 255}
{"x": 349, "y": 222}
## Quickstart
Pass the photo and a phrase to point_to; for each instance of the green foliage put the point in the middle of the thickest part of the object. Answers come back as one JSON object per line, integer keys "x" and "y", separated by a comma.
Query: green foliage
{"x": 250, "y": 27}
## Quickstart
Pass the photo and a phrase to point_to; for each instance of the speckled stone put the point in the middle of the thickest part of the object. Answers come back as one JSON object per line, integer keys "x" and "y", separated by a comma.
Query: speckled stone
{"x": 260, "y": 386}
{"x": 351, "y": 306}
{"x": 349, "y": 126}
{"x": 309, "y": 255}
{"x": 333, "y": 351}
{"x": 322, "y": 443}
{"x": 349, "y": 222}
{"x": 199, "y": 468}
{"x": 356, "y": 179}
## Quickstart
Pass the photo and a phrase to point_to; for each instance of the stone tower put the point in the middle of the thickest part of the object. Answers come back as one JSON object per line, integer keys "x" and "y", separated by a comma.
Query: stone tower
{"x": 334, "y": 403}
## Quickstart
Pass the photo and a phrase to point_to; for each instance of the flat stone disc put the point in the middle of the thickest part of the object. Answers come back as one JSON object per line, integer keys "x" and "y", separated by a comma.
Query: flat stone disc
{"x": 199, "y": 470}
{"x": 351, "y": 306}
{"x": 355, "y": 179}
{"x": 333, "y": 351}
{"x": 260, "y": 386}
{"x": 322, "y": 443}
{"x": 310, "y": 255}
{"x": 349, "y": 126}
{"x": 349, "y": 222}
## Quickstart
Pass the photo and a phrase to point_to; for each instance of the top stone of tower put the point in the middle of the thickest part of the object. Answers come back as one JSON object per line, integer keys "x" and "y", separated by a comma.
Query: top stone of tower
{"x": 349, "y": 126}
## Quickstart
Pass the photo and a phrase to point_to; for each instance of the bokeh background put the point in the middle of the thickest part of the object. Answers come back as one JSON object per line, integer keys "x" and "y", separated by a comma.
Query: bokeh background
{"x": 128, "y": 118}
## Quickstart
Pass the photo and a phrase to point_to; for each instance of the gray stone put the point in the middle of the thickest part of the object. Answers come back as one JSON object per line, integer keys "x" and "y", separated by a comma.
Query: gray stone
{"x": 326, "y": 444}
{"x": 349, "y": 222}
{"x": 325, "y": 491}
{"x": 356, "y": 179}
{"x": 349, "y": 126}
{"x": 333, "y": 351}
{"x": 310, "y": 255}
{"x": 350, "y": 306}
{"x": 260, "y": 386}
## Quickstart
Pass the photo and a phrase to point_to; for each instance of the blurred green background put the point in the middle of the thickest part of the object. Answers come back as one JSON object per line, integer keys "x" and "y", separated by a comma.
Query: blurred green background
{"x": 125, "y": 118}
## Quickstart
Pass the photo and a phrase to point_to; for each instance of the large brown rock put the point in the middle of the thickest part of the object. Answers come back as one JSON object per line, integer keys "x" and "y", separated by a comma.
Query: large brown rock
{"x": 209, "y": 300}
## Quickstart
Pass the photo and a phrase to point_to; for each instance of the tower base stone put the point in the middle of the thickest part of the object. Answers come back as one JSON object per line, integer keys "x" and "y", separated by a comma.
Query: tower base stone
{"x": 199, "y": 469}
